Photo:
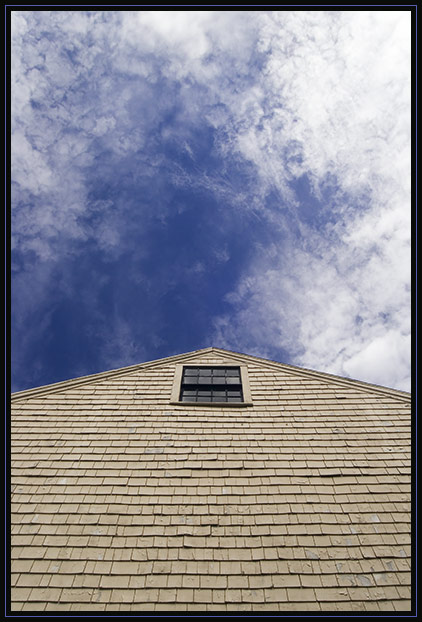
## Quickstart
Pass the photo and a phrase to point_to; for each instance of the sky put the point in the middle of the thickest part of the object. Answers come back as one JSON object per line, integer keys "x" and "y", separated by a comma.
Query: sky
{"x": 187, "y": 179}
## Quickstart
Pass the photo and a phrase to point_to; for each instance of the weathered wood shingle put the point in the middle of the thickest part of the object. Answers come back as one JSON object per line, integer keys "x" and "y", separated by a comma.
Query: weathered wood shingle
{"x": 124, "y": 502}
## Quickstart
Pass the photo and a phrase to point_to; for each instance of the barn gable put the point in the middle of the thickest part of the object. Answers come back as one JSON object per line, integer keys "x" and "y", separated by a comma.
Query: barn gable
{"x": 125, "y": 499}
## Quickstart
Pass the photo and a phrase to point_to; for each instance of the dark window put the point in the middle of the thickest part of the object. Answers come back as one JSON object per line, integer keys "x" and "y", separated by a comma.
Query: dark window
{"x": 211, "y": 384}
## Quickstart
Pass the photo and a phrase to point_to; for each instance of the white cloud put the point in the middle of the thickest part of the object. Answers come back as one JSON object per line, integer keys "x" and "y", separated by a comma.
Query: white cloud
{"x": 384, "y": 360}
{"x": 323, "y": 318}
{"x": 337, "y": 86}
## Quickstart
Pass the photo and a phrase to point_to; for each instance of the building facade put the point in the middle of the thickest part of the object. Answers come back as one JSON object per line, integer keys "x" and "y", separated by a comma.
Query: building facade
{"x": 211, "y": 481}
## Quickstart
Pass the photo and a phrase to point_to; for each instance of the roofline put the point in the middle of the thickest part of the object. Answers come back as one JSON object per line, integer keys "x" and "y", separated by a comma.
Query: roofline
{"x": 341, "y": 380}
{"x": 325, "y": 377}
{"x": 111, "y": 373}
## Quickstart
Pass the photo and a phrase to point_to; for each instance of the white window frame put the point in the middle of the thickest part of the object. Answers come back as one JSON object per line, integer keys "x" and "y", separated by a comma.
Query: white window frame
{"x": 177, "y": 384}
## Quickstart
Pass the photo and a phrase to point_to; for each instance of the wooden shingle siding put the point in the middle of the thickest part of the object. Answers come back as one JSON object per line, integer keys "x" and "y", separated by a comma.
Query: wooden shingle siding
{"x": 123, "y": 502}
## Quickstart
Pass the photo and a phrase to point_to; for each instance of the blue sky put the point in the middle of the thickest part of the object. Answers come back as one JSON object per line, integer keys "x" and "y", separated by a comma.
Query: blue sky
{"x": 185, "y": 179}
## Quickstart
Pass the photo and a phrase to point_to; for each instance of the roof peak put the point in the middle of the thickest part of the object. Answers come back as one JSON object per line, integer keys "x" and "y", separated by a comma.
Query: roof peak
{"x": 323, "y": 376}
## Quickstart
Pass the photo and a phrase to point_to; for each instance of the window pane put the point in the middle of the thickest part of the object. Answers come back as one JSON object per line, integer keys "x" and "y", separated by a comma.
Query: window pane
{"x": 216, "y": 398}
{"x": 204, "y": 371}
{"x": 188, "y": 398}
{"x": 218, "y": 372}
{"x": 191, "y": 372}
{"x": 203, "y": 393}
{"x": 233, "y": 372}
{"x": 234, "y": 399}
{"x": 219, "y": 380}
{"x": 231, "y": 380}
{"x": 191, "y": 380}
{"x": 235, "y": 393}
{"x": 204, "y": 380}
{"x": 205, "y": 398}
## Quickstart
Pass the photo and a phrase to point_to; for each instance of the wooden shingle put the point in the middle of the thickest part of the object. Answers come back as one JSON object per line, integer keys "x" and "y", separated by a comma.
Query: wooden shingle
{"x": 124, "y": 501}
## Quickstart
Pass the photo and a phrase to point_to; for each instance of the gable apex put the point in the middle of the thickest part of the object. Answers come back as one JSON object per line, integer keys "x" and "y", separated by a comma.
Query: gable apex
{"x": 213, "y": 356}
{"x": 227, "y": 357}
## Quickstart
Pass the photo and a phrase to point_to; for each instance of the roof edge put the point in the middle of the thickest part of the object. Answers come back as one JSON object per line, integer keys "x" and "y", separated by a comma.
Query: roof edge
{"x": 73, "y": 382}
{"x": 326, "y": 377}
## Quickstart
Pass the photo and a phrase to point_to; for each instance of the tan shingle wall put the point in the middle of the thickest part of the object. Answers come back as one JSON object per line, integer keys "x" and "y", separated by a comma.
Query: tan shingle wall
{"x": 122, "y": 502}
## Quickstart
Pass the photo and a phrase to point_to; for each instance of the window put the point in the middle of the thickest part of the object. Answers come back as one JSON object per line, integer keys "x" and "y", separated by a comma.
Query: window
{"x": 208, "y": 385}
{"x": 211, "y": 384}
